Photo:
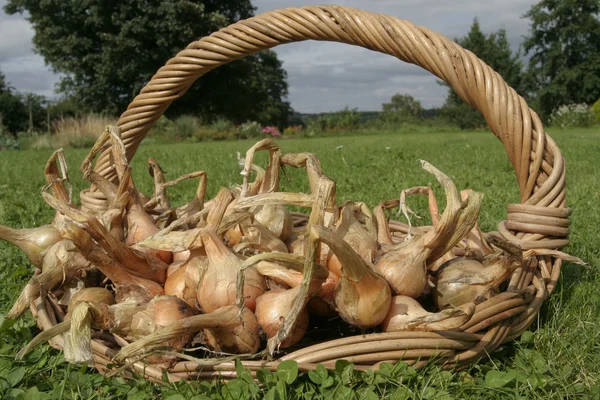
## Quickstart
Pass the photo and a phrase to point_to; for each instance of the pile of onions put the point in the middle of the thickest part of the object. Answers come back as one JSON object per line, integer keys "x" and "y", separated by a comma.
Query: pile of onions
{"x": 237, "y": 269}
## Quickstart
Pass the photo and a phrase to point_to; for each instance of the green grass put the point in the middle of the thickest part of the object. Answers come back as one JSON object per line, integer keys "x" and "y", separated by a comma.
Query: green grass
{"x": 559, "y": 358}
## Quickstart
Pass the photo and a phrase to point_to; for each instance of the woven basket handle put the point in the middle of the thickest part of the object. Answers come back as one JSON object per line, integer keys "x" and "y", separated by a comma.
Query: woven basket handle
{"x": 540, "y": 221}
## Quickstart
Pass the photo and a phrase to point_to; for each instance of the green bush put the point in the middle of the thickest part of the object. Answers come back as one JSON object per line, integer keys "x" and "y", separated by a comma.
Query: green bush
{"x": 249, "y": 130}
{"x": 572, "y": 116}
{"x": 342, "y": 120}
{"x": 293, "y": 130}
{"x": 161, "y": 127}
{"x": 184, "y": 127}
{"x": 462, "y": 115}
{"x": 596, "y": 110}
{"x": 7, "y": 142}
{"x": 219, "y": 130}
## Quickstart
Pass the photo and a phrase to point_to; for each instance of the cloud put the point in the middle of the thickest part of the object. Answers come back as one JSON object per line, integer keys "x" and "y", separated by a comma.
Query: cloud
{"x": 330, "y": 76}
{"x": 321, "y": 76}
{"x": 24, "y": 70}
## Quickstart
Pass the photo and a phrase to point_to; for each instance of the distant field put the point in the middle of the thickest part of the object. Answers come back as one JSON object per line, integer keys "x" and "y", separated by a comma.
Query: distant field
{"x": 562, "y": 357}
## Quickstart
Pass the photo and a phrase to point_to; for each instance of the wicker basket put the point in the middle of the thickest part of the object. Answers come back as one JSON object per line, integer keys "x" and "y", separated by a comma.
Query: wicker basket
{"x": 541, "y": 221}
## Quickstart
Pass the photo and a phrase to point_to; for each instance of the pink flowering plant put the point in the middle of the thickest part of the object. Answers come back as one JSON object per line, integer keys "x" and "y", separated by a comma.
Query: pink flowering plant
{"x": 272, "y": 131}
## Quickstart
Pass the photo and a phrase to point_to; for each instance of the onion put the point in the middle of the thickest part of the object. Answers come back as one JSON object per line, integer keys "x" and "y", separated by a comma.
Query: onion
{"x": 183, "y": 283}
{"x": 273, "y": 307}
{"x": 279, "y": 273}
{"x": 261, "y": 239}
{"x": 224, "y": 318}
{"x": 405, "y": 269}
{"x": 275, "y": 217}
{"x": 135, "y": 262}
{"x": 462, "y": 280}
{"x": 405, "y": 265}
{"x": 128, "y": 286}
{"x": 174, "y": 267}
{"x": 475, "y": 240}
{"x": 118, "y": 198}
{"x": 363, "y": 297}
{"x": 62, "y": 262}
{"x": 181, "y": 256}
{"x": 297, "y": 246}
{"x": 242, "y": 339}
{"x": 234, "y": 236}
{"x": 218, "y": 285}
{"x": 140, "y": 225}
{"x": 362, "y": 240}
{"x": 92, "y": 294}
{"x": 126, "y": 320}
{"x": 407, "y": 314}
{"x": 34, "y": 242}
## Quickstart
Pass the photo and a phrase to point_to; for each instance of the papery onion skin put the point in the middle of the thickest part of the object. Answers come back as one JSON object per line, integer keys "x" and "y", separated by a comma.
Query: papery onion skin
{"x": 364, "y": 303}
{"x": 214, "y": 293}
{"x": 298, "y": 245}
{"x": 174, "y": 267}
{"x": 406, "y": 274}
{"x": 243, "y": 339}
{"x": 34, "y": 242}
{"x": 169, "y": 309}
{"x": 175, "y": 284}
{"x": 218, "y": 286}
{"x": 98, "y": 295}
{"x": 403, "y": 309}
{"x": 457, "y": 283}
{"x": 183, "y": 283}
{"x": 234, "y": 236}
{"x": 407, "y": 314}
{"x": 181, "y": 256}
{"x": 140, "y": 226}
{"x": 276, "y": 218}
{"x": 328, "y": 287}
{"x": 94, "y": 294}
{"x": 273, "y": 307}
{"x": 356, "y": 235}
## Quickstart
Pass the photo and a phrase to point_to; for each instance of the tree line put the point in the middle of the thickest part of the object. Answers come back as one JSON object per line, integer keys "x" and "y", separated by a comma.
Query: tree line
{"x": 105, "y": 52}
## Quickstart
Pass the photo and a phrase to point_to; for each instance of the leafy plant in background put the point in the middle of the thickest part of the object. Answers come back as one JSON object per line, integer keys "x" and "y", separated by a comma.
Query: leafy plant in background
{"x": 184, "y": 127}
{"x": 7, "y": 142}
{"x": 342, "y": 120}
{"x": 293, "y": 130}
{"x": 401, "y": 109}
{"x": 249, "y": 130}
{"x": 596, "y": 110}
{"x": 572, "y": 116}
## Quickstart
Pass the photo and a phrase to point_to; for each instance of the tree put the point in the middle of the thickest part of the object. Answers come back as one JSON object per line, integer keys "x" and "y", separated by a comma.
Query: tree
{"x": 564, "y": 43}
{"x": 400, "y": 109}
{"x": 12, "y": 111}
{"x": 107, "y": 51}
{"x": 495, "y": 51}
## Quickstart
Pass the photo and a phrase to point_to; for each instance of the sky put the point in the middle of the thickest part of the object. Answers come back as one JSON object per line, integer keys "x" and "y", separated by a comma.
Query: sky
{"x": 322, "y": 76}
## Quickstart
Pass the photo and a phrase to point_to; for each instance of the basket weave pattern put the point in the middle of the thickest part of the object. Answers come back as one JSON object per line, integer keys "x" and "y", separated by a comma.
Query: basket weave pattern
{"x": 540, "y": 221}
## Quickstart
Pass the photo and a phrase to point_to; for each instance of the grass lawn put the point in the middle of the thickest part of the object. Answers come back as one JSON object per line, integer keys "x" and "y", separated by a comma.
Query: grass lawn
{"x": 559, "y": 358}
